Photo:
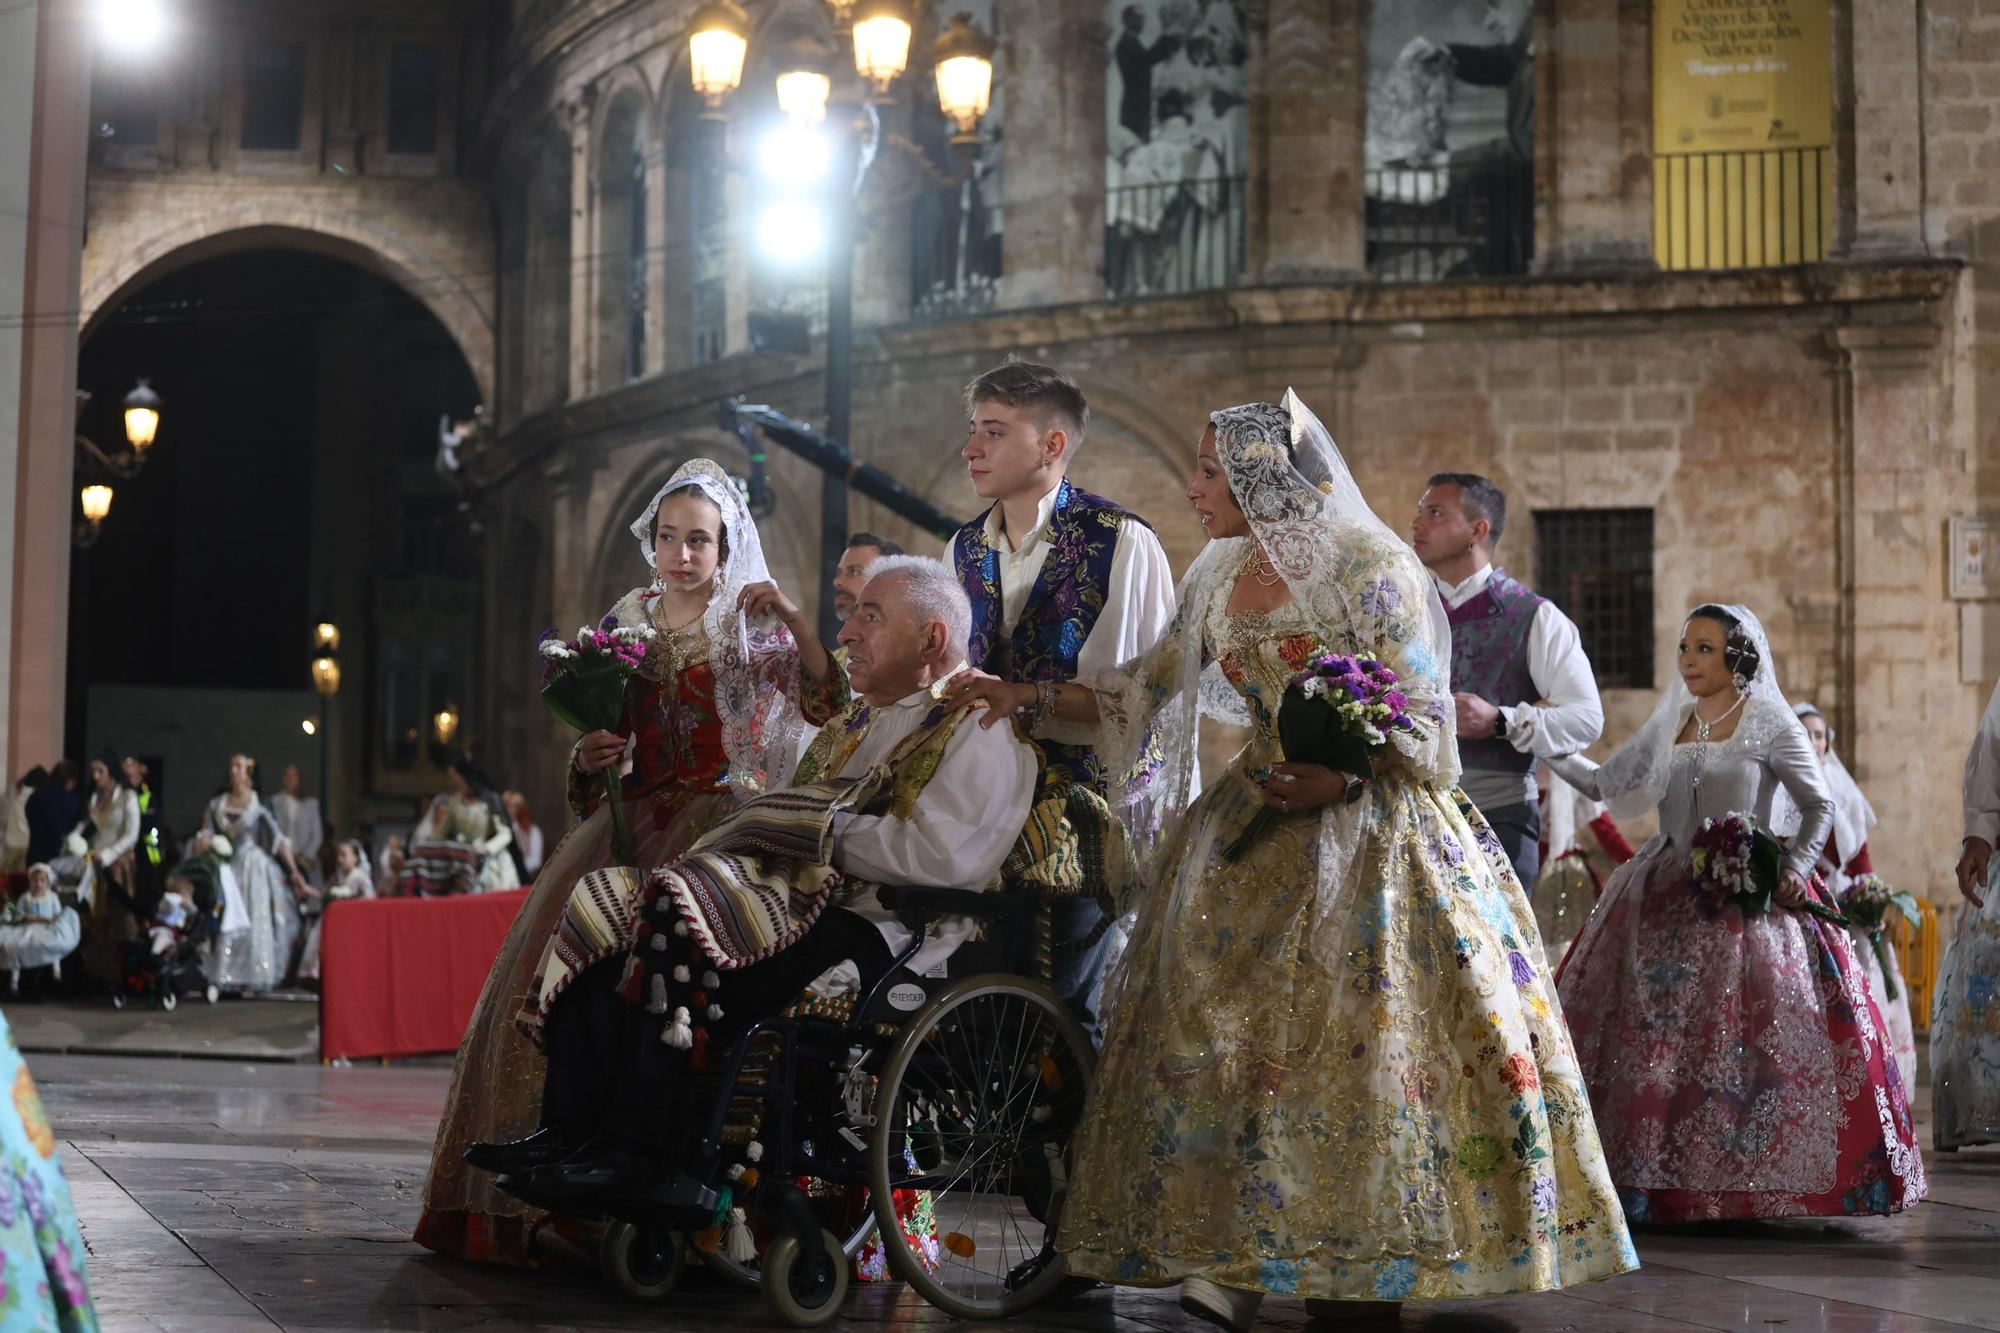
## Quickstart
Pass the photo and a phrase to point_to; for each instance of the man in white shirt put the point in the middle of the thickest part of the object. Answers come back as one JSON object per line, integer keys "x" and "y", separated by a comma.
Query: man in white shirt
{"x": 613, "y": 1066}
{"x": 1524, "y": 688}
{"x": 1062, "y": 584}
{"x": 1982, "y": 805}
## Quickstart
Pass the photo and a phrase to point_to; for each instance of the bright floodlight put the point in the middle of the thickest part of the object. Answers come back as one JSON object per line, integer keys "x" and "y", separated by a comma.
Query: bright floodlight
{"x": 131, "y": 27}
{"x": 794, "y": 155}
{"x": 790, "y": 232}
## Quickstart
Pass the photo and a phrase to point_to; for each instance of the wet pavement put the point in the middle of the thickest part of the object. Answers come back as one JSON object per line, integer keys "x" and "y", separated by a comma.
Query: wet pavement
{"x": 221, "y": 1195}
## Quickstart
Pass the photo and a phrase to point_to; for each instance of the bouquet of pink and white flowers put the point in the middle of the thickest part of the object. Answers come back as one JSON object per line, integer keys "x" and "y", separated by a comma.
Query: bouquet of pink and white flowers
{"x": 1735, "y": 861}
{"x": 583, "y": 683}
{"x": 1868, "y": 902}
{"x": 1338, "y": 713}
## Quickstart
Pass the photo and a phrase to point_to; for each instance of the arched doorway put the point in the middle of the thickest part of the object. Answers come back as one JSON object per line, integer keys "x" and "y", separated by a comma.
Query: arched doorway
{"x": 296, "y": 477}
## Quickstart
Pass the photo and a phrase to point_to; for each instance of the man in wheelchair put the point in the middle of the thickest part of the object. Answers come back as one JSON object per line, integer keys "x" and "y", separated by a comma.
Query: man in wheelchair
{"x": 650, "y": 972}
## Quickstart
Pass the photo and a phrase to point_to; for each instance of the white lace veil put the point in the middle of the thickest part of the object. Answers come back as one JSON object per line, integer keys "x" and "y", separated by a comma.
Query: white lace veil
{"x": 756, "y": 664}
{"x": 1343, "y": 566}
{"x": 1634, "y": 781}
{"x": 1853, "y": 816}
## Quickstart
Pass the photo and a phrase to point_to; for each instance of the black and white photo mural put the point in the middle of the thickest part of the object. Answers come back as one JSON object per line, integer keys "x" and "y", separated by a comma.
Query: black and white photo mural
{"x": 1451, "y": 136}
{"x": 1177, "y": 145}
{"x": 957, "y": 225}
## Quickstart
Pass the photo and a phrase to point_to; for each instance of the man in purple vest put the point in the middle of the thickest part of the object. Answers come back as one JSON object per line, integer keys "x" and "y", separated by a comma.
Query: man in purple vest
{"x": 1524, "y": 688}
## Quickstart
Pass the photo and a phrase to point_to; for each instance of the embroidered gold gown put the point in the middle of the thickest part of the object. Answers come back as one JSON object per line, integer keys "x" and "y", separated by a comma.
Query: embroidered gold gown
{"x": 1407, "y": 1122}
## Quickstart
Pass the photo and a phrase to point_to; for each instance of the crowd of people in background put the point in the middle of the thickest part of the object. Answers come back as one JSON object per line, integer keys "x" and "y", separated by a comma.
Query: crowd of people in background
{"x": 98, "y": 895}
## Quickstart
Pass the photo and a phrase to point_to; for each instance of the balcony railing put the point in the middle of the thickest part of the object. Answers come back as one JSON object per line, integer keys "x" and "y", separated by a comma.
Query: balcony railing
{"x": 1748, "y": 209}
{"x": 1430, "y": 224}
{"x": 1174, "y": 236}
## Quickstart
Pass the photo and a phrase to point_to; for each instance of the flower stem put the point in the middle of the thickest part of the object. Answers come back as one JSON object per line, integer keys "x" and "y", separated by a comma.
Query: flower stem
{"x": 621, "y": 841}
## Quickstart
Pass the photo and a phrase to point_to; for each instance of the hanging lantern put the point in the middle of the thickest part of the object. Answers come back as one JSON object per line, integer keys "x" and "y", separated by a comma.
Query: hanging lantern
{"x": 142, "y": 416}
{"x": 96, "y": 504}
{"x": 881, "y": 42}
{"x": 963, "y": 59}
{"x": 718, "y": 41}
{"x": 326, "y": 674}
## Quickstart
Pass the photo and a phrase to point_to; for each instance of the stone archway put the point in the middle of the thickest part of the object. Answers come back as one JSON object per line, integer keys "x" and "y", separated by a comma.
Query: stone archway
{"x": 461, "y": 298}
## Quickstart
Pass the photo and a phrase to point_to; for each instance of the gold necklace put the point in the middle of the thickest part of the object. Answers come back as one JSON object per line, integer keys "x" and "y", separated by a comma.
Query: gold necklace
{"x": 1261, "y": 568}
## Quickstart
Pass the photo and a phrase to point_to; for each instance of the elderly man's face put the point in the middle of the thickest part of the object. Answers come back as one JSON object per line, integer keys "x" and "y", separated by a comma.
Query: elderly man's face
{"x": 886, "y": 647}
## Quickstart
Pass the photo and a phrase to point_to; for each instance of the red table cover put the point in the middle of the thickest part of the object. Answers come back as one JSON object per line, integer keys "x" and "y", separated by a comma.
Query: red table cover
{"x": 400, "y": 976}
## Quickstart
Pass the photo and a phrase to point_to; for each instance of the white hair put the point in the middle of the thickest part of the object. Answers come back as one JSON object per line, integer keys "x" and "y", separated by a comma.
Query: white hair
{"x": 934, "y": 594}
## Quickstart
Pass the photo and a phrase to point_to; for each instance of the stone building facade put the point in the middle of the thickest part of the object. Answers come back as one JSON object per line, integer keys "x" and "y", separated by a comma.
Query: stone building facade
{"x": 1797, "y": 438}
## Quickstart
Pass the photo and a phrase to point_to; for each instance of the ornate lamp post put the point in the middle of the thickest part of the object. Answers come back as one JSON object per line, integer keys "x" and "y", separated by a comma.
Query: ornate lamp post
{"x": 808, "y": 93}
{"x": 326, "y": 679}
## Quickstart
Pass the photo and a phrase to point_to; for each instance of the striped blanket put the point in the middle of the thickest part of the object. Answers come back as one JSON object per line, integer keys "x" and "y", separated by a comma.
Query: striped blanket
{"x": 749, "y": 887}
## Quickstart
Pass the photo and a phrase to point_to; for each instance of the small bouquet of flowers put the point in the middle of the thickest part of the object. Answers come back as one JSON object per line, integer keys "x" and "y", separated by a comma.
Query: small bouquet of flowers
{"x": 1867, "y": 902}
{"x": 1338, "y": 712}
{"x": 1735, "y": 861}
{"x": 583, "y": 683}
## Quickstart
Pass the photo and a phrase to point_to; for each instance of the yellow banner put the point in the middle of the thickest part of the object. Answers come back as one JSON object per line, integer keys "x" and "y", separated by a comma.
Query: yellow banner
{"x": 1740, "y": 75}
{"x": 1742, "y": 132}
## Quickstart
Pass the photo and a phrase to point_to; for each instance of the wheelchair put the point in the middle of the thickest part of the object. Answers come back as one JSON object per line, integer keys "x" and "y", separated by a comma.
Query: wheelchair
{"x": 963, "y": 1087}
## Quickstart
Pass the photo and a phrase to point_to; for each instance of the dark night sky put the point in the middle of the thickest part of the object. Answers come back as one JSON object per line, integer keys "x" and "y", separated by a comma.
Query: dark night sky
{"x": 202, "y": 576}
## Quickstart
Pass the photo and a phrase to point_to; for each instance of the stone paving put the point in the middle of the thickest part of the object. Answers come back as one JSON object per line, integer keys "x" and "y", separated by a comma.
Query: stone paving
{"x": 219, "y": 1196}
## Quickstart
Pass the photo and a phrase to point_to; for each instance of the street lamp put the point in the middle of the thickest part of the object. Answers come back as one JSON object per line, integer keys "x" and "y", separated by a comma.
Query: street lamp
{"x": 881, "y": 43}
{"x": 718, "y": 48}
{"x": 326, "y": 679}
{"x": 96, "y": 501}
{"x": 964, "y": 64}
{"x": 142, "y": 417}
{"x": 444, "y": 724}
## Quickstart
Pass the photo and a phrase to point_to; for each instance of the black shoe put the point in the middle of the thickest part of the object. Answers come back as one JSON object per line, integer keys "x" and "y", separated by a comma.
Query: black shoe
{"x": 544, "y": 1147}
{"x": 601, "y": 1168}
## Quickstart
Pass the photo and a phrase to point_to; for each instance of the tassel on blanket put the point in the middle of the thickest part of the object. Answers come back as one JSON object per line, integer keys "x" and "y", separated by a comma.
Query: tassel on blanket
{"x": 679, "y": 1034}
{"x": 741, "y": 1246}
{"x": 681, "y": 927}
{"x": 658, "y": 1003}
{"x": 710, "y": 980}
{"x": 680, "y": 971}
{"x": 632, "y": 981}
{"x": 659, "y": 943}
{"x": 698, "y": 1057}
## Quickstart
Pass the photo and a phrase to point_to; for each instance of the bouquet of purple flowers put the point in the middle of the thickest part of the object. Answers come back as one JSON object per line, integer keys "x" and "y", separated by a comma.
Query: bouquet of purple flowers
{"x": 583, "y": 683}
{"x": 1735, "y": 861}
{"x": 1867, "y": 902}
{"x": 1338, "y": 712}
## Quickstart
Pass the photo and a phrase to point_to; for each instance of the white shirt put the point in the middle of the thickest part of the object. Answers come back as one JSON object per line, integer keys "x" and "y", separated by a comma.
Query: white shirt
{"x": 965, "y": 822}
{"x": 531, "y": 847}
{"x": 1574, "y": 717}
{"x": 1982, "y": 778}
{"x": 1138, "y": 604}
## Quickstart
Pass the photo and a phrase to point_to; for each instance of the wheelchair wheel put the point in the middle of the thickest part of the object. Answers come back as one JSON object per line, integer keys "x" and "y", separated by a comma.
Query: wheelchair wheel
{"x": 979, "y": 1096}
{"x": 803, "y": 1288}
{"x": 750, "y": 1274}
{"x": 643, "y": 1262}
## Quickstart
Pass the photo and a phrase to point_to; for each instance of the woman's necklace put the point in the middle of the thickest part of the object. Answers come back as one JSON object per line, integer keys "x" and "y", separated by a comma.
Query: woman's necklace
{"x": 1261, "y": 568}
{"x": 1702, "y": 730}
{"x": 681, "y": 644}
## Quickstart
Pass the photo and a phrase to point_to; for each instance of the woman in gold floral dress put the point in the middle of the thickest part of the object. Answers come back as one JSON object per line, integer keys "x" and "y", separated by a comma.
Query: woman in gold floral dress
{"x": 1335, "y": 1068}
